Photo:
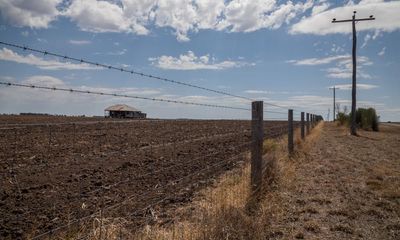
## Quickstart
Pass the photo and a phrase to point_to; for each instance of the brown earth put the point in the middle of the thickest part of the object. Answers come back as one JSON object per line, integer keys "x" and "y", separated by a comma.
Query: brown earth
{"x": 53, "y": 174}
{"x": 345, "y": 187}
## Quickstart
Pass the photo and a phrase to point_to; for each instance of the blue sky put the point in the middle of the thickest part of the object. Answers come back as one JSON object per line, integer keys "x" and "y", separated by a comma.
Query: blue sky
{"x": 282, "y": 52}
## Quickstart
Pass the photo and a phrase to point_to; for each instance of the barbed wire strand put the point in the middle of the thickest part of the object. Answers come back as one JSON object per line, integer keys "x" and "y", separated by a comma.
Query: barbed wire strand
{"x": 121, "y": 69}
{"x": 127, "y": 199}
{"x": 120, "y": 95}
{"x": 180, "y": 180}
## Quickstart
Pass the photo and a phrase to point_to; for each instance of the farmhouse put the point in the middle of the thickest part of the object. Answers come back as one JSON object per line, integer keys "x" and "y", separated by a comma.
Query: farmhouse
{"x": 123, "y": 111}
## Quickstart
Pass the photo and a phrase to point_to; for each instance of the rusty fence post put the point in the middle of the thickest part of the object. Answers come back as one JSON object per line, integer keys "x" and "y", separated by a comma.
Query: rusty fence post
{"x": 302, "y": 126}
{"x": 257, "y": 136}
{"x": 290, "y": 132}
{"x": 308, "y": 123}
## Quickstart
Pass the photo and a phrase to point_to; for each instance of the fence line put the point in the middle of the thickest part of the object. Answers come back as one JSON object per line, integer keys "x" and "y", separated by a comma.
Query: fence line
{"x": 260, "y": 168}
{"x": 206, "y": 152}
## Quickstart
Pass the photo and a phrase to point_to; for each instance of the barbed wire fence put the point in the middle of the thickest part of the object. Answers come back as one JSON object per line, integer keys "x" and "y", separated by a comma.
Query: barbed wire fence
{"x": 60, "y": 177}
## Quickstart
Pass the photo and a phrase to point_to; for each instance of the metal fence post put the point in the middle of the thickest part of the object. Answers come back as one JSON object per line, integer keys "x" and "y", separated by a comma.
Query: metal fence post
{"x": 290, "y": 131}
{"x": 308, "y": 123}
{"x": 257, "y": 135}
{"x": 302, "y": 126}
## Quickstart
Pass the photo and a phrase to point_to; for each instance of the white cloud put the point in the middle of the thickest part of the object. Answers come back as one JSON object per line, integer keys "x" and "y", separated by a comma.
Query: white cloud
{"x": 34, "y": 14}
{"x": 336, "y": 49}
{"x": 133, "y": 16}
{"x": 258, "y": 92}
{"x": 319, "y": 61}
{"x": 366, "y": 39}
{"x": 103, "y": 16}
{"x": 25, "y": 33}
{"x": 190, "y": 61}
{"x": 386, "y": 13}
{"x": 359, "y": 86}
{"x": 41, "y": 40}
{"x": 343, "y": 65}
{"x": 47, "y": 64}
{"x": 382, "y": 52}
{"x": 79, "y": 42}
{"x": 319, "y": 8}
{"x": 264, "y": 92}
{"x": 47, "y": 81}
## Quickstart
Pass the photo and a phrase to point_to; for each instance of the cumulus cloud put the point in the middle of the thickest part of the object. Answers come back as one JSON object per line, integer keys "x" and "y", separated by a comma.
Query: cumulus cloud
{"x": 386, "y": 13}
{"x": 47, "y": 64}
{"x": 133, "y": 16}
{"x": 343, "y": 65}
{"x": 34, "y": 14}
{"x": 190, "y": 61}
{"x": 104, "y": 16}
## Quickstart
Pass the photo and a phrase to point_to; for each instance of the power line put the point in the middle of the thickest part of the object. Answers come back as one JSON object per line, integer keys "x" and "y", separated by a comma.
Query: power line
{"x": 122, "y": 70}
{"x": 120, "y": 95}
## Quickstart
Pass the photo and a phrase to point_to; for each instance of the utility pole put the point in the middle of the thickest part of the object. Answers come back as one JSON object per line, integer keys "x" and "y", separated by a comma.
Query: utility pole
{"x": 353, "y": 129}
{"x": 334, "y": 101}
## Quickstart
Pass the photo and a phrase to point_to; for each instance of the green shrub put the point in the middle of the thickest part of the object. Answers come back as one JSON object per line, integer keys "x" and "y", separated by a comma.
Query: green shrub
{"x": 365, "y": 119}
{"x": 342, "y": 119}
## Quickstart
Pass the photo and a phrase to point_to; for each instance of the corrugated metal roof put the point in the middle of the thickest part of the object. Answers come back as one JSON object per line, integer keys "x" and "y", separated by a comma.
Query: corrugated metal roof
{"x": 121, "y": 107}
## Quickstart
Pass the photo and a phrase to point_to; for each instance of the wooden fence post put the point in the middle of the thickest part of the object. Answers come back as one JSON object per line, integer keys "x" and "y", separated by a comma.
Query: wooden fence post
{"x": 302, "y": 126}
{"x": 290, "y": 132}
{"x": 257, "y": 138}
{"x": 312, "y": 121}
{"x": 308, "y": 123}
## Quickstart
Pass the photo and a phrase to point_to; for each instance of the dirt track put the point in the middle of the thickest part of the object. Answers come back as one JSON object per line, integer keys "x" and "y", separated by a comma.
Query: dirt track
{"x": 346, "y": 187}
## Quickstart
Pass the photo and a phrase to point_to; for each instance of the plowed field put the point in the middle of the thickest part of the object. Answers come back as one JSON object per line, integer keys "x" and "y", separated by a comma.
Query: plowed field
{"x": 58, "y": 174}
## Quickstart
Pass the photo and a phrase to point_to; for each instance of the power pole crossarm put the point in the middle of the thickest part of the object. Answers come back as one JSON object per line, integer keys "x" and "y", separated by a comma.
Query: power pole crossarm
{"x": 353, "y": 20}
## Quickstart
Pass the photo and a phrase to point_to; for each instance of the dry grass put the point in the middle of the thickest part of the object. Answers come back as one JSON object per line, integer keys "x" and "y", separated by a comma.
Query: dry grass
{"x": 221, "y": 211}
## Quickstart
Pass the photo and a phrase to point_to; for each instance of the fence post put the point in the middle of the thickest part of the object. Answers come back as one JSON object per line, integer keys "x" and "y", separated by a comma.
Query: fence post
{"x": 311, "y": 121}
{"x": 290, "y": 131}
{"x": 302, "y": 126}
{"x": 308, "y": 123}
{"x": 257, "y": 137}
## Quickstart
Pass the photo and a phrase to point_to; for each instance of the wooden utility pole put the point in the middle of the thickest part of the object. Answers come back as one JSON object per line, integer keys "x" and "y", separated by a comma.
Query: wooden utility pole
{"x": 353, "y": 127}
